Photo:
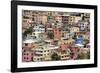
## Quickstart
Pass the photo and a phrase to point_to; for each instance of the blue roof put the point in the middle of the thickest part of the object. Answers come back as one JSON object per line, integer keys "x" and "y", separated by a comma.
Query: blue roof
{"x": 79, "y": 40}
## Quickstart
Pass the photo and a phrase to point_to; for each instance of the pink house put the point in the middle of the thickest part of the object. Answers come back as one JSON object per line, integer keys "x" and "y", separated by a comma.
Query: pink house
{"x": 74, "y": 51}
{"x": 63, "y": 46}
{"x": 57, "y": 33}
{"x": 27, "y": 55}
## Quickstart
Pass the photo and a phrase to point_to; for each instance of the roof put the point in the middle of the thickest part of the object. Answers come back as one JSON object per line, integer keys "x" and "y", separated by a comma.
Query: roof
{"x": 30, "y": 41}
{"x": 48, "y": 47}
{"x": 48, "y": 40}
{"x": 80, "y": 45}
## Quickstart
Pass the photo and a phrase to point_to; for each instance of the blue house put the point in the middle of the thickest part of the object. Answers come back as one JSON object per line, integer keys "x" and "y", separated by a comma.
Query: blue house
{"x": 79, "y": 41}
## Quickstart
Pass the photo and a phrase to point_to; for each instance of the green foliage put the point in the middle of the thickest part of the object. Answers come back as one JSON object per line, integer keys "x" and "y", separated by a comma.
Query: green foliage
{"x": 28, "y": 31}
{"x": 74, "y": 37}
{"x": 55, "y": 56}
{"x": 50, "y": 35}
{"x": 84, "y": 55}
{"x": 86, "y": 41}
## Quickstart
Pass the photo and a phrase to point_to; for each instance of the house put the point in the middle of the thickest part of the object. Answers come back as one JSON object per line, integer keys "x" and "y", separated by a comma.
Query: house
{"x": 42, "y": 19}
{"x": 84, "y": 25}
{"x": 79, "y": 41}
{"x": 38, "y": 29}
{"x": 74, "y": 29}
{"x": 71, "y": 19}
{"x": 57, "y": 34}
{"x": 43, "y": 52}
{"x": 48, "y": 41}
{"x": 86, "y": 35}
{"x": 85, "y": 16}
{"x": 88, "y": 45}
{"x": 26, "y": 19}
{"x": 69, "y": 41}
{"x": 29, "y": 42}
{"x": 77, "y": 19}
{"x": 64, "y": 46}
{"x": 74, "y": 52}
{"x": 58, "y": 18}
{"x": 64, "y": 35}
{"x": 65, "y": 54}
{"x": 27, "y": 55}
{"x": 65, "y": 19}
{"x": 38, "y": 54}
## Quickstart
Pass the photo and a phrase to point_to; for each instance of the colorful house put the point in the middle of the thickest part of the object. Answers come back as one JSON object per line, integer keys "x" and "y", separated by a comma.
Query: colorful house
{"x": 79, "y": 41}
{"x": 29, "y": 43}
{"x": 74, "y": 52}
{"x": 27, "y": 55}
{"x": 65, "y": 54}
{"x": 84, "y": 25}
{"x": 57, "y": 34}
{"x": 43, "y": 52}
{"x": 63, "y": 46}
{"x": 37, "y": 30}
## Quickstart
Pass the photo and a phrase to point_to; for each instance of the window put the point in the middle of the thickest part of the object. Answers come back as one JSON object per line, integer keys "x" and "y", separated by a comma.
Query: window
{"x": 62, "y": 56}
{"x": 26, "y": 44}
{"x": 32, "y": 19}
{"x": 32, "y": 58}
{"x": 38, "y": 59}
{"x": 40, "y": 51}
{"x": 24, "y": 50}
{"x": 65, "y": 56}
{"x": 27, "y": 53}
{"x": 24, "y": 54}
{"x": 62, "y": 34}
{"x": 25, "y": 17}
{"x": 24, "y": 57}
{"x": 27, "y": 58}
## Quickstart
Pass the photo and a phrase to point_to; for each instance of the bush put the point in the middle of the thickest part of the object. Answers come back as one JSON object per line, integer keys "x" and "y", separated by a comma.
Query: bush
{"x": 55, "y": 56}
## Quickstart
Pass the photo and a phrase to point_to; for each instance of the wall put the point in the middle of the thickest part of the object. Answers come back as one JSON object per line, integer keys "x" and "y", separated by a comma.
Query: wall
{"x": 5, "y": 36}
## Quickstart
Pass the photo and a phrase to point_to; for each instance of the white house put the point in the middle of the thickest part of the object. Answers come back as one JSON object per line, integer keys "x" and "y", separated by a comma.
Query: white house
{"x": 43, "y": 52}
{"x": 84, "y": 25}
{"x": 38, "y": 30}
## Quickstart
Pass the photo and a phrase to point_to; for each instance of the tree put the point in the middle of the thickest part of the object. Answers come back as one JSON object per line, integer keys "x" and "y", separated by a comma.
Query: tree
{"x": 84, "y": 55}
{"x": 55, "y": 56}
{"x": 81, "y": 55}
{"x": 86, "y": 41}
{"x": 28, "y": 31}
{"x": 50, "y": 35}
{"x": 74, "y": 37}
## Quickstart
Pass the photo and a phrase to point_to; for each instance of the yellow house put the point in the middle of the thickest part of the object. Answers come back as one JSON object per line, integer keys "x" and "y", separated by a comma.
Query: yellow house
{"x": 43, "y": 52}
{"x": 77, "y": 18}
{"x": 74, "y": 19}
{"x": 69, "y": 41}
{"x": 74, "y": 29}
{"x": 65, "y": 54}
